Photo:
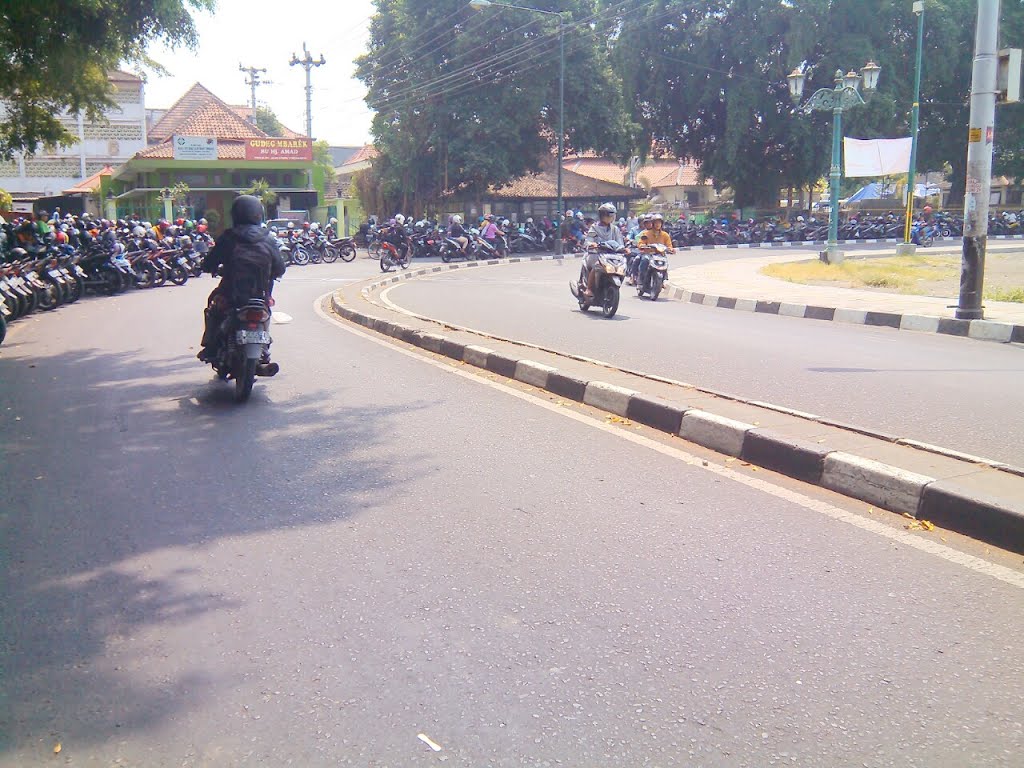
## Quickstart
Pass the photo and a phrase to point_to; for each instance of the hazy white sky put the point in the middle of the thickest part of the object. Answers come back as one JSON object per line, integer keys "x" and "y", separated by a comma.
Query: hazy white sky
{"x": 260, "y": 33}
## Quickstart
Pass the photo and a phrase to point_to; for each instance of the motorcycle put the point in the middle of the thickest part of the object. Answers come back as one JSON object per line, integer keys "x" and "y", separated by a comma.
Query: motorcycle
{"x": 391, "y": 257}
{"x": 244, "y": 342}
{"x": 653, "y": 271}
{"x": 611, "y": 269}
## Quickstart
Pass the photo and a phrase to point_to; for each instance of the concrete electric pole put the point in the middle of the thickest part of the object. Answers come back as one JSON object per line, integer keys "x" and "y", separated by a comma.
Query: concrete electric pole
{"x": 307, "y": 62}
{"x": 253, "y": 82}
{"x": 979, "y": 160}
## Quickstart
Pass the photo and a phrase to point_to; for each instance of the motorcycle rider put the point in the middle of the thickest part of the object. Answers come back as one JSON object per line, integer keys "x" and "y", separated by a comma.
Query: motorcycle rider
{"x": 604, "y": 230}
{"x": 458, "y": 233}
{"x": 236, "y": 279}
{"x": 653, "y": 235}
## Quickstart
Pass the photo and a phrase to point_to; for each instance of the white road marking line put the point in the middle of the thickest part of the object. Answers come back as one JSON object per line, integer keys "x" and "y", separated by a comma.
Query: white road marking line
{"x": 916, "y": 541}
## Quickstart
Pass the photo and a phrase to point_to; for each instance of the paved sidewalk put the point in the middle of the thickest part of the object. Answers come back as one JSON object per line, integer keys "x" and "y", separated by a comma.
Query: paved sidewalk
{"x": 742, "y": 279}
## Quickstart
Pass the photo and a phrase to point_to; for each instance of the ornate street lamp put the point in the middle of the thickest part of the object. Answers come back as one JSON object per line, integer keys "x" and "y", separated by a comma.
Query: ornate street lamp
{"x": 844, "y": 96}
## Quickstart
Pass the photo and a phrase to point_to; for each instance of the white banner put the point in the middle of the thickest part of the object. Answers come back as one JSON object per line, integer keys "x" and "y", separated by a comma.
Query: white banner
{"x": 876, "y": 157}
{"x": 195, "y": 147}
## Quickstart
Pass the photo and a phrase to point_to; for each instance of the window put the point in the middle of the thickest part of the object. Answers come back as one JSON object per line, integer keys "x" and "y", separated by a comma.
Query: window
{"x": 286, "y": 180}
{"x": 1014, "y": 196}
{"x": 692, "y": 197}
{"x": 994, "y": 198}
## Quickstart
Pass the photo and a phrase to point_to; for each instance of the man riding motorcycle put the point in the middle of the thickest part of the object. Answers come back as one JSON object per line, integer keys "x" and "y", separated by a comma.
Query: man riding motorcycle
{"x": 248, "y": 260}
{"x": 604, "y": 230}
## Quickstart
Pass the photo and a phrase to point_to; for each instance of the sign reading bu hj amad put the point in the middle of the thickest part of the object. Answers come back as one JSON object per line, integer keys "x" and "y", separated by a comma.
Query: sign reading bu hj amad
{"x": 279, "y": 149}
{"x": 195, "y": 147}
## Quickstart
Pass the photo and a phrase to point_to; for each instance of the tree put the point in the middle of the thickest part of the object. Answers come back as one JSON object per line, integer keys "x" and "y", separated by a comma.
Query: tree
{"x": 6, "y": 201}
{"x": 710, "y": 83}
{"x": 267, "y": 121}
{"x": 475, "y": 103}
{"x": 322, "y": 157}
{"x": 56, "y": 55}
{"x": 260, "y": 189}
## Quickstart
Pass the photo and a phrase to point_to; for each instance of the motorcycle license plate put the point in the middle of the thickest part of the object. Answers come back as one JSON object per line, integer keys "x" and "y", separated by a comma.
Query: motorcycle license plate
{"x": 56, "y": 275}
{"x": 252, "y": 337}
{"x": 79, "y": 271}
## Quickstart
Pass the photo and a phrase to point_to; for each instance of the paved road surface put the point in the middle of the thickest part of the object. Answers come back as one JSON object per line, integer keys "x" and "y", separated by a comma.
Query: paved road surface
{"x": 375, "y": 548}
{"x": 959, "y": 393}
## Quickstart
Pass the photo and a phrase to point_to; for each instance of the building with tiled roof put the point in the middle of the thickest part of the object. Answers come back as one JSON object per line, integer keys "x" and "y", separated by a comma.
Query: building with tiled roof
{"x": 536, "y": 195}
{"x": 207, "y": 144}
{"x": 672, "y": 182}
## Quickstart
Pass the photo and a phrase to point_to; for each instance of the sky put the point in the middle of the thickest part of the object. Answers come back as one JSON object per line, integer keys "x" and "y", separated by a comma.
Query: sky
{"x": 265, "y": 34}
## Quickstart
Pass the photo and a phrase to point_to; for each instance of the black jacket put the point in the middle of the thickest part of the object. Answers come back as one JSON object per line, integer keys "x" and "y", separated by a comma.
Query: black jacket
{"x": 219, "y": 261}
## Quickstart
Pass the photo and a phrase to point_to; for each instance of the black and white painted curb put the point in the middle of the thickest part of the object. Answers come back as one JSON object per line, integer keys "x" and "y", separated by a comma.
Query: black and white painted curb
{"x": 798, "y": 243}
{"x": 982, "y": 330}
{"x": 943, "y": 502}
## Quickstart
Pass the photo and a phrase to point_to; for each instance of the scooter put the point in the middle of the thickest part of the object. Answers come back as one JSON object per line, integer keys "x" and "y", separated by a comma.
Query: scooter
{"x": 653, "y": 271}
{"x": 611, "y": 270}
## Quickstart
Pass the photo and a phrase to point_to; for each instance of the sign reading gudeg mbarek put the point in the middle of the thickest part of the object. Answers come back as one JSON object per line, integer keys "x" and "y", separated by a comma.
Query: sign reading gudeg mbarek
{"x": 279, "y": 149}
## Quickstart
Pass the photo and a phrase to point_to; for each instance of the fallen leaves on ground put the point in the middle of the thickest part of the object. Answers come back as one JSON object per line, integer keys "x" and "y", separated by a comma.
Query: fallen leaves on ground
{"x": 619, "y": 420}
{"x": 920, "y": 525}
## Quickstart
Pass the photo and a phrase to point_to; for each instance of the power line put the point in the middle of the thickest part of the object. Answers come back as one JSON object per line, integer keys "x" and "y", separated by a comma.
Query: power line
{"x": 254, "y": 82}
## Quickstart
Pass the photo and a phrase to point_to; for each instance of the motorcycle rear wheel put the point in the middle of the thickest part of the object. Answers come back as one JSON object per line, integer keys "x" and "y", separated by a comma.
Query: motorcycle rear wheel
{"x": 179, "y": 276}
{"x": 244, "y": 379}
{"x": 330, "y": 254}
{"x": 385, "y": 263}
{"x": 348, "y": 253}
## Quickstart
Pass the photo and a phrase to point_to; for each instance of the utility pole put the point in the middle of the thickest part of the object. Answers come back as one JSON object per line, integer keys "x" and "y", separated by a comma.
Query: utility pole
{"x": 979, "y": 160}
{"x": 906, "y": 246}
{"x": 307, "y": 62}
{"x": 253, "y": 82}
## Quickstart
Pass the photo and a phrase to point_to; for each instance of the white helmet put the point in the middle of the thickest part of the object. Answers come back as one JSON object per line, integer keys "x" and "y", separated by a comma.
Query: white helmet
{"x": 568, "y": 214}
{"x": 799, "y": 218}
{"x": 314, "y": 227}
{"x": 607, "y": 208}
{"x": 529, "y": 220}
{"x": 505, "y": 223}
{"x": 456, "y": 219}
{"x": 400, "y": 218}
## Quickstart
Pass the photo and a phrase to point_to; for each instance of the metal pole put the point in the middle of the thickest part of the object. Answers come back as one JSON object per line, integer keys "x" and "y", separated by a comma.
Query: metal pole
{"x": 832, "y": 253}
{"x": 309, "y": 103}
{"x": 561, "y": 125}
{"x": 914, "y": 112}
{"x": 979, "y": 161}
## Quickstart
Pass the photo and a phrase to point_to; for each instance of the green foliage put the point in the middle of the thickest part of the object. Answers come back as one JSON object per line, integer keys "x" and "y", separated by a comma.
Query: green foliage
{"x": 709, "y": 83}
{"x": 213, "y": 219}
{"x": 267, "y": 121}
{"x": 322, "y": 158}
{"x": 495, "y": 117}
{"x": 260, "y": 189}
{"x": 6, "y": 201}
{"x": 56, "y": 54}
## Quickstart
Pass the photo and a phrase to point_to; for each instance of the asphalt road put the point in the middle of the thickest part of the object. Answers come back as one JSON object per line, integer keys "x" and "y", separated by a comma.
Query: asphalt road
{"x": 958, "y": 393}
{"x": 375, "y": 547}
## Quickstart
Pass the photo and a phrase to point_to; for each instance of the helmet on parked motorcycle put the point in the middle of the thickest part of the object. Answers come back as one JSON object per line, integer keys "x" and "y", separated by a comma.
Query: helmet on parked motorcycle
{"x": 291, "y": 225}
{"x": 456, "y": 219}
{"x": 579, "y": 215}
{"x": 569, "y": 214}
{"x": 19, "y": 253}
{"x": 608, "y": 208}
{"x": 400, "y": 219}
{"x": 203, "y": 222}
{"x": 305, "y": 225}
{"x": 61, "y": 237}
{"x": 180, "y": 221}
{"x": 529, "y": 220}
{"x": 800, "y": 218}
{"x": 314, "y": 227}
{"x": 185, "y": 242}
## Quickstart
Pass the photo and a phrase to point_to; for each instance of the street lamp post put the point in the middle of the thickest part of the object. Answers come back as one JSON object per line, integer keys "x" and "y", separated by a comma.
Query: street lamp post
{"x": 844, "y": 96}
{"x": 915, "y": 109}
{"x": 481, "y": 4}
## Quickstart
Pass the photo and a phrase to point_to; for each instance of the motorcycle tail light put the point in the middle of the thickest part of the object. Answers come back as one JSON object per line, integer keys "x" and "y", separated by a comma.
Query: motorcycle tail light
{"x": 256, "y": 316}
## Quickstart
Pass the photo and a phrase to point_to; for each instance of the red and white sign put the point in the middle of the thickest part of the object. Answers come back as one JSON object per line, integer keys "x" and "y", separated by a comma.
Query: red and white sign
{"x": 279, "y": 149}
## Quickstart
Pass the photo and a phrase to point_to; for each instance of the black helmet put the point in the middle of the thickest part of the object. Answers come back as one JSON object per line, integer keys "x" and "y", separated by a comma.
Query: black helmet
{"x": 246, "y": 210}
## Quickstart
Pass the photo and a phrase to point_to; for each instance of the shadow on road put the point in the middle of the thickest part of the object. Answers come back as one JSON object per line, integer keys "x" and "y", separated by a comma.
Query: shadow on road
{"x": 115, "y": 467}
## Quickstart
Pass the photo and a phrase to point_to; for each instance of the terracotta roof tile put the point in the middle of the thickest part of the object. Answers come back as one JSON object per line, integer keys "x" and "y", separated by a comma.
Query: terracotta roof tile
{"x": 245, "y": 112}
{"x": 217, "y": 119}
{"x": 658, "y": 173}
{"x": 364, "y": 153}
{"x": 226, "y": 150}
{"x": 544, "y": 185}
{"x": 85, "y": 186}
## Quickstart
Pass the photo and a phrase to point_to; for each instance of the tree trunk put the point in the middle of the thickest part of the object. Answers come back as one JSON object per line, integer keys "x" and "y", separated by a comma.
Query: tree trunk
{"x": 789, "y": 202}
